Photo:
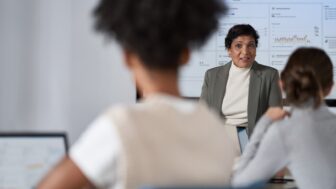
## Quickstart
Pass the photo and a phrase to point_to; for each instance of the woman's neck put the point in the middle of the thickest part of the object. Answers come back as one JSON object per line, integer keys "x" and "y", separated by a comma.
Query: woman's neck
{"x": 151, "y": 82}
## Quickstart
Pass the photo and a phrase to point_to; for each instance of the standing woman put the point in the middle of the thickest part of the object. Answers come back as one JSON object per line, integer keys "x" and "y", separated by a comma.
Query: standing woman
{"x": 241, "y": 90}
{"x": 305, "y": 142}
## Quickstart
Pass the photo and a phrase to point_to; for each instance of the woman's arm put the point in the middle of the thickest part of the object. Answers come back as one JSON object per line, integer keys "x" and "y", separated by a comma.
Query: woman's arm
{"x": 92, "y": 159}
{"x": 65, "y": 175}
{"x": 204, "y": 94}
{"x": 265, "y": 153}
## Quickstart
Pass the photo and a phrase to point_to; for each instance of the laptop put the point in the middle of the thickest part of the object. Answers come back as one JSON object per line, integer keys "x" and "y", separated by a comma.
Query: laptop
{"x": 26, "y": 157}
{"x": 242, "y": 138}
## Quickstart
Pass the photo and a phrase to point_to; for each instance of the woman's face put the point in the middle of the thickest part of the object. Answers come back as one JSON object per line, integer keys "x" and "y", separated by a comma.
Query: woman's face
{"x": 243, "y": 51}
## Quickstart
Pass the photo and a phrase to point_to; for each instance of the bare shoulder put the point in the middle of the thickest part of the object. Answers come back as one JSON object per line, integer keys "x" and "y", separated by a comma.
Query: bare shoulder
{"x": 66, "y": 175}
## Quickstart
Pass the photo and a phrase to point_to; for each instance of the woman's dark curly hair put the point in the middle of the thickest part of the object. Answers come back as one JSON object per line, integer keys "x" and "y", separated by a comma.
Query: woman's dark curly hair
{"x": 308, "y": 74}
{"x": 158, "y": 30}
{"x": 240, "y": 30}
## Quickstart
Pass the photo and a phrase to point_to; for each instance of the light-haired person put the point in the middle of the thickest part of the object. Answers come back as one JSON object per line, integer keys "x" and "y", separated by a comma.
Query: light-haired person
{"x": 305, "y": 141}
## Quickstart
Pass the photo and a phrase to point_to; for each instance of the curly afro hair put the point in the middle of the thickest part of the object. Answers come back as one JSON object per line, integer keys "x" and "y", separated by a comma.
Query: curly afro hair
{"x": 158, "y": 30}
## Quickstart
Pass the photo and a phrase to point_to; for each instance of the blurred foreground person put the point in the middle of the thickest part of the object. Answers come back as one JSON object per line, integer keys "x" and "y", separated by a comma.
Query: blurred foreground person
{"x": 163, "y": 140}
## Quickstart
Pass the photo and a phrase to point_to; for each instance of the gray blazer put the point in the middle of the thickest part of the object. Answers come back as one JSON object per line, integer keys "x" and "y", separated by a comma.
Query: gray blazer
{"x": 264, "y": 90}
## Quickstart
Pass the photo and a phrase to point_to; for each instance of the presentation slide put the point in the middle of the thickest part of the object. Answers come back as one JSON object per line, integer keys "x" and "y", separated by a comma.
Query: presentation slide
{"x": 283, "y": 26}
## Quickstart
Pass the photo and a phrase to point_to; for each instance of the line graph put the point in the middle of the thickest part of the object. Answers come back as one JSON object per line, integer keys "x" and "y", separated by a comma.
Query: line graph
{"x": 294, "y": 39}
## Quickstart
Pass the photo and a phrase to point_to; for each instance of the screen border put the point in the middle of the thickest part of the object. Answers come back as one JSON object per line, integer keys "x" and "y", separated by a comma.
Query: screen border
{"x": 38, "y": 135}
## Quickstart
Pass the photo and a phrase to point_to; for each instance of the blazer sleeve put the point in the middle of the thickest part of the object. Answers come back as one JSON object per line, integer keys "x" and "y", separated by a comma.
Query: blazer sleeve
{"x": 205, "y": 89}
{"x": 275, "y": 97}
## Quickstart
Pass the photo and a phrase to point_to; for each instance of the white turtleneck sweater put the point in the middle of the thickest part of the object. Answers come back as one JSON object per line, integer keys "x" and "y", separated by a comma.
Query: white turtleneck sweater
{"x": 234, "y": 107}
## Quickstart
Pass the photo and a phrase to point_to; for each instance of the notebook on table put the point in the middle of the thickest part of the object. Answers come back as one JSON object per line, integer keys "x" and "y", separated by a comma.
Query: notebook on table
{"x": 26, "y": 157}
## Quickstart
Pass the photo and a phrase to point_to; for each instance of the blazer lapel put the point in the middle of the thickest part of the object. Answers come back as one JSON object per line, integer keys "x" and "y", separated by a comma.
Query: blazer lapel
{"x": 220, "y": 86}
{"x": 254, "y": 91}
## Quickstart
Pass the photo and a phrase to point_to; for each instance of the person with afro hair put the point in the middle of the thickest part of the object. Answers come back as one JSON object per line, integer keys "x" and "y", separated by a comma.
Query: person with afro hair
{"x": 163, "y": 140}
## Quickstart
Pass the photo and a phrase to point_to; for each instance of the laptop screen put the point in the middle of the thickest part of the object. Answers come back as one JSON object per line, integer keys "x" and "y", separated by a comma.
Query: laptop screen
{"x": 26, "y": 158}
{"x": 242, "y": 138}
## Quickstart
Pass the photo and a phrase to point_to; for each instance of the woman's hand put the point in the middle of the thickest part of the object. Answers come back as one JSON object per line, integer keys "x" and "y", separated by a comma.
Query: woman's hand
{"x": 276, "y": 113}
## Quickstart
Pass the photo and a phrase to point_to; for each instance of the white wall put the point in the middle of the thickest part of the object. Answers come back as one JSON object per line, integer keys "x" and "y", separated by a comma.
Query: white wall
{"x": 56, "y": 73}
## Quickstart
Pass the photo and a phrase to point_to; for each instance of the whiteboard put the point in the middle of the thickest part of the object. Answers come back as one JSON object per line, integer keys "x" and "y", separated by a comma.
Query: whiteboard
{"x": 283, "y": 26}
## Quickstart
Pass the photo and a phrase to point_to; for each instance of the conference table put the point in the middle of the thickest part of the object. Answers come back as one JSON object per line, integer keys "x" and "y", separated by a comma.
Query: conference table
{"x": 288, "y": 185}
